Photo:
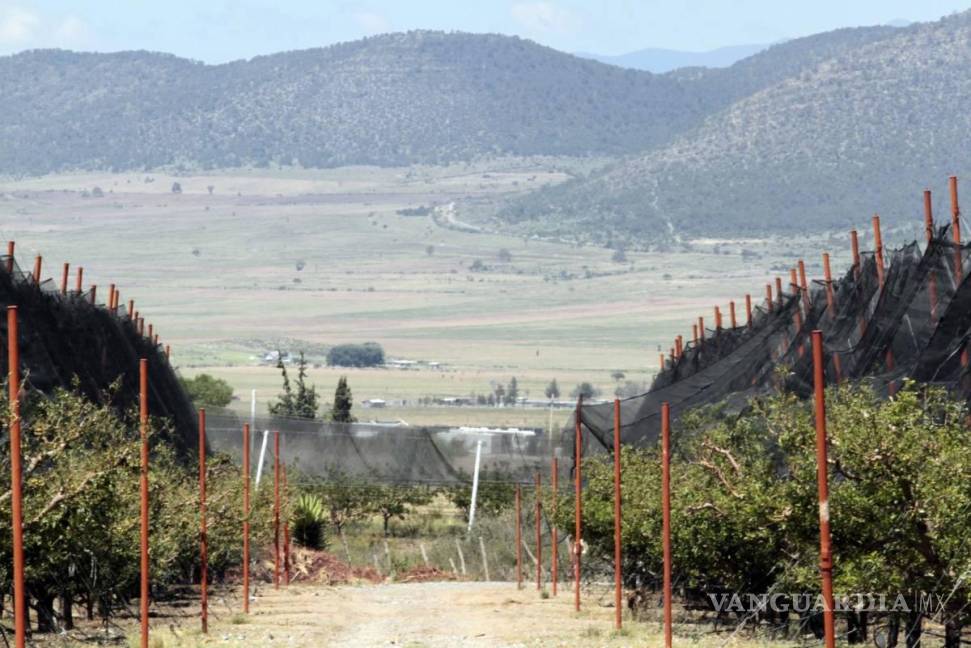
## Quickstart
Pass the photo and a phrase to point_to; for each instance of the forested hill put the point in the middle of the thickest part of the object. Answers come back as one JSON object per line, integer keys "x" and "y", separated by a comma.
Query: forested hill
{"x": 416, "y": 97}
{"x": 861, "y": 130}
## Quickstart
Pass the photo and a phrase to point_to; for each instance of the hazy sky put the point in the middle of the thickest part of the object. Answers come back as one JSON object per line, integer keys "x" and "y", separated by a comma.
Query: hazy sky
{"x": 222, "y": 30}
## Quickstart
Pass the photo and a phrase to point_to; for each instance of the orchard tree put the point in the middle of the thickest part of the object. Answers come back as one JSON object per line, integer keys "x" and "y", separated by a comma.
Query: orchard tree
{"x": 343, "y": 402}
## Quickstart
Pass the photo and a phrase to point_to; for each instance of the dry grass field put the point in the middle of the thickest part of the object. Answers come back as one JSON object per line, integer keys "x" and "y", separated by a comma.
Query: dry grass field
{"x": 306, "y": 259}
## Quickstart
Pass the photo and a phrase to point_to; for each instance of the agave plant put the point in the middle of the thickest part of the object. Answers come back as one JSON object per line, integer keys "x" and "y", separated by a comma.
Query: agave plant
{"x": 309, "y": 516}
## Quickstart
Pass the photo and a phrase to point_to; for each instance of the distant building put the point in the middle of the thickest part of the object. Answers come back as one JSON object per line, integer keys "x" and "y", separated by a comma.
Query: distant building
{"x": 375, "y": 403}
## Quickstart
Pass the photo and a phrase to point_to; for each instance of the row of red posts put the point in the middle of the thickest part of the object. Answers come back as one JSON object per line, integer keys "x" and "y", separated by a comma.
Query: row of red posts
{"x": 282, "y": 563}
{"x": 799, "y": 285}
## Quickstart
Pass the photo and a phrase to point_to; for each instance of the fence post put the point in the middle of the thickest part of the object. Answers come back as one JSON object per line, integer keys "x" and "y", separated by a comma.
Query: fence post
{"x": 112, "y": 298}
{"x": 143, "y": 483}
{"x": 778, "y": 290}
{"x": 804, "y": 285}
{"x": 748, "y": 309}
{"x": 855, "y": 249}
{"x": 286, "y": 528}
{"x": 16, "y": 476}
{"x": 822, "y": 479}
{"x": 928, "y": 216}
{"x": 79, "y": 281}
{"x": 539, "y": 534}
{"x": 10, "y": 249}
{"x": 203, "y": 538}
{"x": 246, "y": 513}
{"x": 64, "y": 274}
{"x": 694, "y": 333}
{"x": 701, "y": 329}
{"x": 554, "y": 557}
{"x": 578, "y": 505}
{"x": 828, "y": 276}
{"x": 37, "y": 265}
{"x": 131, "y": 309}
{"x": 276, "y": 510}
{"x": 618, "y": 568}
{"x": 666, "y": 516}
{"x": 878, "y": 245}
{"x": 768, "y": 297}
{"x": 718, "y": 320}
{"x": 519, "y": 539}
{"x": 731, "y": 314}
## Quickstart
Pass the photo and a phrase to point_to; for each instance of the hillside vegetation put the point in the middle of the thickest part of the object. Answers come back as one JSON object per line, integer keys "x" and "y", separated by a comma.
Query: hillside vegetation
{"x": 396, "y": 99}
{"x": 859, "y": 131}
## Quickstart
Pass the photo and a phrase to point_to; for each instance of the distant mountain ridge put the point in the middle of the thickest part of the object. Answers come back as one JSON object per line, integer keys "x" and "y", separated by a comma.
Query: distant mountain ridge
{"x": 862, "y": 128}
{"x": 659, "y": 60}
{"x": 394, "y": 99}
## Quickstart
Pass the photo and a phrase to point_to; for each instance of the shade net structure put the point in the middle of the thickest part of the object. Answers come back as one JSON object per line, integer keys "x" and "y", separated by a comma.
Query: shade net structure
{"x": 70, "y": 341}
{"x": 377, "y": 453}
{"x": 905, "y": 314}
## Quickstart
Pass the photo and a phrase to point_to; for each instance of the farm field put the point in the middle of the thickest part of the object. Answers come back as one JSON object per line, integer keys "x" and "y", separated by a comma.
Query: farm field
{"x": 301, "y": 260}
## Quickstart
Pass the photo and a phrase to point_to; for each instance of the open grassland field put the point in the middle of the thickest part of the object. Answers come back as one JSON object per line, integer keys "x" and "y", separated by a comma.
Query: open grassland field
{"x": 306, "y": 259}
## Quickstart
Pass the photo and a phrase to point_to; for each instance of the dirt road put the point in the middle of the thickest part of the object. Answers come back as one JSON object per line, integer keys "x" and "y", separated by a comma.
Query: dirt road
{"x": 420, "y": 615}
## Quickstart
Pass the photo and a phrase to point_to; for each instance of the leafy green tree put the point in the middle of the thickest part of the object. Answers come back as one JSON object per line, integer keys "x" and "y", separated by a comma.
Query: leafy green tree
{"x": 512, "y": 393}
{"x": 301, "y": 402}
{"x": 340, "y": 411}
{"x": 369, "y": 354}
{"x": 553, "y": 390}
{"x": 392, "y": 501}
{"x": 586, "y": 390}
{"x": 496, "y": 494}
{"x": 207, "y": 391}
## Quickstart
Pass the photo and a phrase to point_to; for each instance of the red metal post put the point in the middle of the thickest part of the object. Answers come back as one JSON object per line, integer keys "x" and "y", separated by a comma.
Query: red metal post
{"x": 112, "y": 298}
{"x": 828, "y": 276}
{"x": 822, "y": 478}
{"x": 286, "y": 527}
{"x": 16, "y": 476}
{"x": 10, "y": 249}
{"x": 78, "y": 284}
{"x": 718, "y": 319}
{"x": 778, "y": 290}
{"x": 578, "y": 505}
{"x": 554, "y": 550}
{"x": 855, "y": 247}
{"x": 37, "y": 264}
{"x": 131, "y": 309}
{"x": 519, "y": 537}
{"x": 793, "y": 285}
{"x": 64, "y": 274}
{"x": 804, "y": 285}
{"x": 768, "y": 297}
{"x": 143, "y": 425}
{"x": 701, "y": 328}
{"x": 539, "y": 534}
{"x": 928, "y": 216}
{"x": 952, "y": 183}
{"x": 878, "y": 248}
{"x": 929, "y": 233}
{"x": 661, "y": 358}
{"x": 276, "y": 510}
{"x": 679, "y": 346}
{"x": 748, "y": 310}
{"x": 94, "y": 294}
{"x": 618, "y": 556}
{"x": 731, "y": 314}
{"x": 694, "y": 333}
{"x": 150, "y": 334}
{"x": 168, "y": 352}
{"x": 246, "y": 514}
{"x": 666, "y": 516}
{"x": 203, "y": 538}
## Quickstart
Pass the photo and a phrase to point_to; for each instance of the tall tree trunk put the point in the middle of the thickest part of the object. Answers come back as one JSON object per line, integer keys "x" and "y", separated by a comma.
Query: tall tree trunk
{"x": 46, "y": 619}
{"x": 67, "y": 609}
{"x": 915, "y": 626}
{"x": 952, "y": 632}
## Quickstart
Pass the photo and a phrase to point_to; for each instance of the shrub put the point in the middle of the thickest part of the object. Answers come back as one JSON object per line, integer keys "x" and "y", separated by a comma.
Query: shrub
{"x": 309, "y": 517}
{"x": 369, "y": 354}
